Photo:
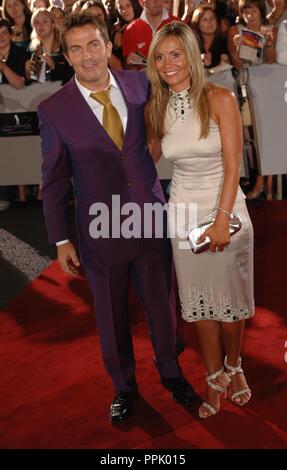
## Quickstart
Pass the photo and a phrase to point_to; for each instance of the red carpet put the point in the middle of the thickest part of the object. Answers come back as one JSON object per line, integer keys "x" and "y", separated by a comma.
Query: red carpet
{"x": 55, "y": 392}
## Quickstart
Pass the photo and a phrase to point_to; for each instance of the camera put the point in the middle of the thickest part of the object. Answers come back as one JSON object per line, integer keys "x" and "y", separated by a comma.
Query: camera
{"x": 36, "y": 63}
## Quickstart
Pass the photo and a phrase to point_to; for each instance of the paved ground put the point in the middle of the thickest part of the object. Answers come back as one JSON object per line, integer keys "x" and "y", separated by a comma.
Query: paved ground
{"x": 24, "y": 248}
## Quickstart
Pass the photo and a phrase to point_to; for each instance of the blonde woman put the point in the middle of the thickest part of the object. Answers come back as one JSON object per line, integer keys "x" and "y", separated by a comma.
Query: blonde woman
{"x": 45, "y": 43}
{"x": 199, "y": 128}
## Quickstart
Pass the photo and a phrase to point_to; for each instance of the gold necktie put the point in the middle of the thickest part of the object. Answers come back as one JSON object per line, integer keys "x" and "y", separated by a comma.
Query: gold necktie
{"x": 111, "y": 120}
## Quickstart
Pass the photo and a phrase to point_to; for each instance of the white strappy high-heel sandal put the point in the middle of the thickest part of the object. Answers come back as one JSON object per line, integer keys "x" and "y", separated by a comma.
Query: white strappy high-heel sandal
{"x": 206, "y": 409}
{"x": 237, "y": 397}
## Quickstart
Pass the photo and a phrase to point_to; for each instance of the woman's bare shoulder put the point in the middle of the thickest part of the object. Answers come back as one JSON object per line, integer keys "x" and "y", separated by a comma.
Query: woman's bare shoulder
{"x": 221, "y": 101}
{"x": 219, "y": 96}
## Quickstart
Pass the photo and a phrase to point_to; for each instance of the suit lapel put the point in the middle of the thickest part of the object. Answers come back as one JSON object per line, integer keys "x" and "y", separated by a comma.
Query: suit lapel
{"x": 86, "y": 116}
{"x": 84, "y": 113}
{"x": 125, "y": 90}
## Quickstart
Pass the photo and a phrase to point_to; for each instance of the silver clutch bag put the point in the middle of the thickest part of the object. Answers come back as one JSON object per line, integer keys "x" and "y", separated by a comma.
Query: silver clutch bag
{"x": 235, "y": 225}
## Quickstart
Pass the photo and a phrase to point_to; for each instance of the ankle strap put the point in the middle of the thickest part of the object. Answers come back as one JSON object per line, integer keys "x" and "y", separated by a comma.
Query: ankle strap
{"x": 213, "y": 376}
{"x": 233, "y": 370}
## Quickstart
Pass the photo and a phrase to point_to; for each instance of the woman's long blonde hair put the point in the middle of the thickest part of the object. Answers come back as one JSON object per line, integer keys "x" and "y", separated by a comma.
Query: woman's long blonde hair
{"x": 156, "y": 107}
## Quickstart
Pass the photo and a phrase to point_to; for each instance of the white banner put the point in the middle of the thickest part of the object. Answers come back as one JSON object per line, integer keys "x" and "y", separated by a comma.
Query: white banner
{"x": 268, "y": 92}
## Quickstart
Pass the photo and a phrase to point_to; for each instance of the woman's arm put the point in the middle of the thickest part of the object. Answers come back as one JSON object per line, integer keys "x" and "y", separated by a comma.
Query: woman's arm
{"x": 225, "y": 107}
{"x": 15, "y": 80}
{"x": 154, "y": 145}
{"x": 270, "y": 46}
{"x": 189, "y": 7}
{"x": 153, "y": 142}
{"x": 224, "y": 110}
{"x": 276, "y": 12}
{"x": 232, "y": 47}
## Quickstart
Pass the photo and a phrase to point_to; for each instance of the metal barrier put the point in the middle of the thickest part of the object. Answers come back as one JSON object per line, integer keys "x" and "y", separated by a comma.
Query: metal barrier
{"x": 20, "y": 157}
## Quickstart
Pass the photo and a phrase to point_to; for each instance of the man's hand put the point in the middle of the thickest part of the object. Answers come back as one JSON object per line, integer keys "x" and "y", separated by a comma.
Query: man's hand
{"x": 68, "y": 259}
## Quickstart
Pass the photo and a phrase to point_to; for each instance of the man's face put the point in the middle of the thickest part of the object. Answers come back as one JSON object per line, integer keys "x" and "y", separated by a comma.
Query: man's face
{"x": 88, "y": 54}
{"x": 168, "y": 5}
{"x": 153, "y": 7}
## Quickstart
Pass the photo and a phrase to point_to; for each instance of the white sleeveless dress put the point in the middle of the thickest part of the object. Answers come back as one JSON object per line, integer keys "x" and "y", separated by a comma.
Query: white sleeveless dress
{"x": 212, "y": 286}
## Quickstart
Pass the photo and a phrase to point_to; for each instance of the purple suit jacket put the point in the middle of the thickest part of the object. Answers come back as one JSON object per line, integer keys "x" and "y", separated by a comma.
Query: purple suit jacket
{"x": 75, "y": 146}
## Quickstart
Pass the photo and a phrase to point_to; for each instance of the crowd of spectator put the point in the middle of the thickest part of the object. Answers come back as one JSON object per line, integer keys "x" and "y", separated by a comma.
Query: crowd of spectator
{"x": 30, "y": 46}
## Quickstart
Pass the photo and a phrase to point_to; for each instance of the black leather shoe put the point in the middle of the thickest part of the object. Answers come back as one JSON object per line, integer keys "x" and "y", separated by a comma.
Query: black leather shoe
{"x": 182, "y": 391}
{"x": 122, "y": 406}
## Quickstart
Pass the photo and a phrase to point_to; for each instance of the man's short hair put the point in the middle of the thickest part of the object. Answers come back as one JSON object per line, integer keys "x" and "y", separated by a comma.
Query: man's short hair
{"x": 80, "y": 20}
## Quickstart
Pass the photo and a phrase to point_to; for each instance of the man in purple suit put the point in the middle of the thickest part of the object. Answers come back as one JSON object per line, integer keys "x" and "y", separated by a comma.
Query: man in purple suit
{"x": 77, "y": 145}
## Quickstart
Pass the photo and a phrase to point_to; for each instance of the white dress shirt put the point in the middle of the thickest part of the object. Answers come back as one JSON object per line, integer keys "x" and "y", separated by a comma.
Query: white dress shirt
{"x": 164, "y": 17}
{"x": 98, "y": 108}
{"x": 116, "y": 99}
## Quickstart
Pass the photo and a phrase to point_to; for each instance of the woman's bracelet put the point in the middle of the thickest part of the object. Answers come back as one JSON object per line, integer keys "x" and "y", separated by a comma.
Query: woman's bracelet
{"x": 224, "y": 211}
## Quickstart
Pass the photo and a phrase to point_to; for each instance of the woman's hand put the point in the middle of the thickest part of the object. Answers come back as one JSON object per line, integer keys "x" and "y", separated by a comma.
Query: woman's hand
{"x": 49, "y": 61}
{"x": 238, "y": 40}
{"x": 189, "y": 7}
{"x": 219, "y": 236}
{"x": 206, "y": 59}
{"x": 28, "y": 69}
{"x": 2, "y": 63}
{"x": 135, "y": 59}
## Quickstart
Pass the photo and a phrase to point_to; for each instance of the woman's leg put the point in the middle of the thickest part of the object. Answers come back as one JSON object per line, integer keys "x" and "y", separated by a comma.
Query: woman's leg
{"x": 209, "y": 333}
{"x": 269, "y": 188}
{"x": 232, "y": 335}
{"x": 22, "y": 191}
{"x": 258, "y": 188}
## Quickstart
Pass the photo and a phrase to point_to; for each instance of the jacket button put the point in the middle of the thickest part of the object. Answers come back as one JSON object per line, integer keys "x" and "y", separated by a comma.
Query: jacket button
{"x": 129, "y": 185}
